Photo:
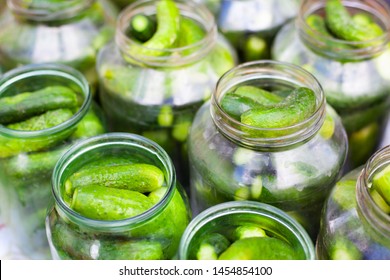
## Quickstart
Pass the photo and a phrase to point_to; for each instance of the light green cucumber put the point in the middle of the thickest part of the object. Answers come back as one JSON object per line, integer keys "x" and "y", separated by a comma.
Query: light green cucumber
{"x": 139, "y": 177}
{"x": 381, "y": 183}
{"x": 101, "y": 203}
{"x": 247, "y": 231}
{"x": 259, "y": 248}
{"x": 26, "y": 105}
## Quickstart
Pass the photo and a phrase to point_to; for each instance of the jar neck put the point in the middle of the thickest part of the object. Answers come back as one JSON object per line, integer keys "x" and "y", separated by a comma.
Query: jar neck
{"x": 339, "y": 49}
{"x": 222, "y": 214}
{"x": 48, "y": 11}
{"x": 25, "y": 77}
{"x": 171, "y": 57}
{"x": 110, "y": 144}
{"x": 372, "y": 215}
{"x": 275, "y": 74}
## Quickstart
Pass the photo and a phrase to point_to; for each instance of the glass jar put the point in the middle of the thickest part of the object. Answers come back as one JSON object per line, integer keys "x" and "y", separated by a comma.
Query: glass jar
{"x": 293, "y": 171}
{"x": 157, "y": 96}
{"x": 225, "y": 217}
{"x": 353, "y": 225}
{"x": 67, "y": 32}
{"x": 27, "y": 158}
{"x": 251, "y": 25}
{"x": 153, "y": 234}
{"x": 356, "y": 78}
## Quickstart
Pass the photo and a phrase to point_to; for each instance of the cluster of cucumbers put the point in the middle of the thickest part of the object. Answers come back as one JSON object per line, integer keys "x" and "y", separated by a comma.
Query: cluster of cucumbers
{"x": 245, "y": 242}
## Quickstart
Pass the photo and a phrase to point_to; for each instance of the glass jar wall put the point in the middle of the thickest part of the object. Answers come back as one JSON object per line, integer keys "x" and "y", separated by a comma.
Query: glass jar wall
{"x": 291, "y": 167}
{"x": 67, "y": 32}
{"x": 225, "y": 230}
{"x": 355, "y": 221}
{"x": 251, "y": 25}
{"x": 354, "y": 74}
{"x": 44, "y": 109}
{"x": 76, "y": 230}
{"x": 156, "y": 92}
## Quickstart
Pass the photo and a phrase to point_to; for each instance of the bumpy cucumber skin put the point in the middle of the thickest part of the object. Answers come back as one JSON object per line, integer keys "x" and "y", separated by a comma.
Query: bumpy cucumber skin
{"x": 342, "y": 25}
{"x": 90, "y": 125}
{"x": 168, "y": 25}
{"x": 101, "y": 203}
{"x": 136, "y": 177}
{"x": 259, "y": 248}
{"x": 44, "y": 121}
{"x": 298, "y": 106}
{"x": 26, "y": 105}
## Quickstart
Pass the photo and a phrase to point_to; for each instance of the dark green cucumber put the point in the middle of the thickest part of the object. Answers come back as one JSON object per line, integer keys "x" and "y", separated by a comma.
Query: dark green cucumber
{"x": 135, "y": 177}
{"x": 44, "y": 121}
{"x": 297, "y": 107}
{"x": 340, "y": 22}
{"x": 101, "y": 203}
{"x": 142, "y": 28}
{"x": 362, "y": 143}
{"x": 26, "y": 105}
{"x": 168, "y": 25}
{"x": 212, "y": 246}
{"x": 34, "y": 164}
{"x": 131, "y": 250}
{"x": 259, "y": 248}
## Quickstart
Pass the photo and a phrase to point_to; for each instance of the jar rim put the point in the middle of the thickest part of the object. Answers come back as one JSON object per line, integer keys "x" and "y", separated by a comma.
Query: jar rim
{"x": 52, "y": 69}
{"x": 249, "y": 207}
{"x": 257, "y": 70}
{"x": 97, "y": 142}
{"x": 174, "y": 56}
{"x": 367, "y": 207}
{"x": 356, "y": 50}
{"x": 49, "y": 12}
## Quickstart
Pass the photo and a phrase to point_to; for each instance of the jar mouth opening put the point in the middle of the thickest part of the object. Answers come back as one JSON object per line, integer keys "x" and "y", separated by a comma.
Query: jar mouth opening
{"x": 246, "y": 207}
{"x": 353, "y": 50}
{"x": 96, "y": 143}
{"x": 279, "y": 72}
{"x": 169, "y": 56}
{"x": 374, "y": 214}
{"x": 63, "y": 72}
{"x": 48, "y": 10}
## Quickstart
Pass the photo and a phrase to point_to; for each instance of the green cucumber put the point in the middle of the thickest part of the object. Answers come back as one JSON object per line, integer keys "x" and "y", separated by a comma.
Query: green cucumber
{"x": 297, "y": 107}
{"x": 89, "y": 126}
{"x": 327, "y": 129}
{"x": 235, "y": 105}
{"x": 247, "y": 231}
{"x": 259, "y": 248}
{"x": 34, "y": 164}
{"x": 101, "y": 203}
{"x": 135, "y": 177}
{"x": 26, "y": 105}
{"x": 385, "y": 207}
{"x": 245, "y": 98}
{"x": 131, "y": 250}
{"x": 165, "y": 117}
{"x": 344, "y": 194}
{"x": 168, "y": 25}
{"x": 340, "y": 22}
{"x": 362, "y": 143}
{"x": 255, "y": 48}
{"x": 44, "y": 121}
{"x": 142, "y": 28}
{"x": 190, "y": 33}
{"x": 381, "y": 183}
{"x": 343, "y": 249}
{"x": 13, "y": 146}
{"x": 212, "y": 246}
